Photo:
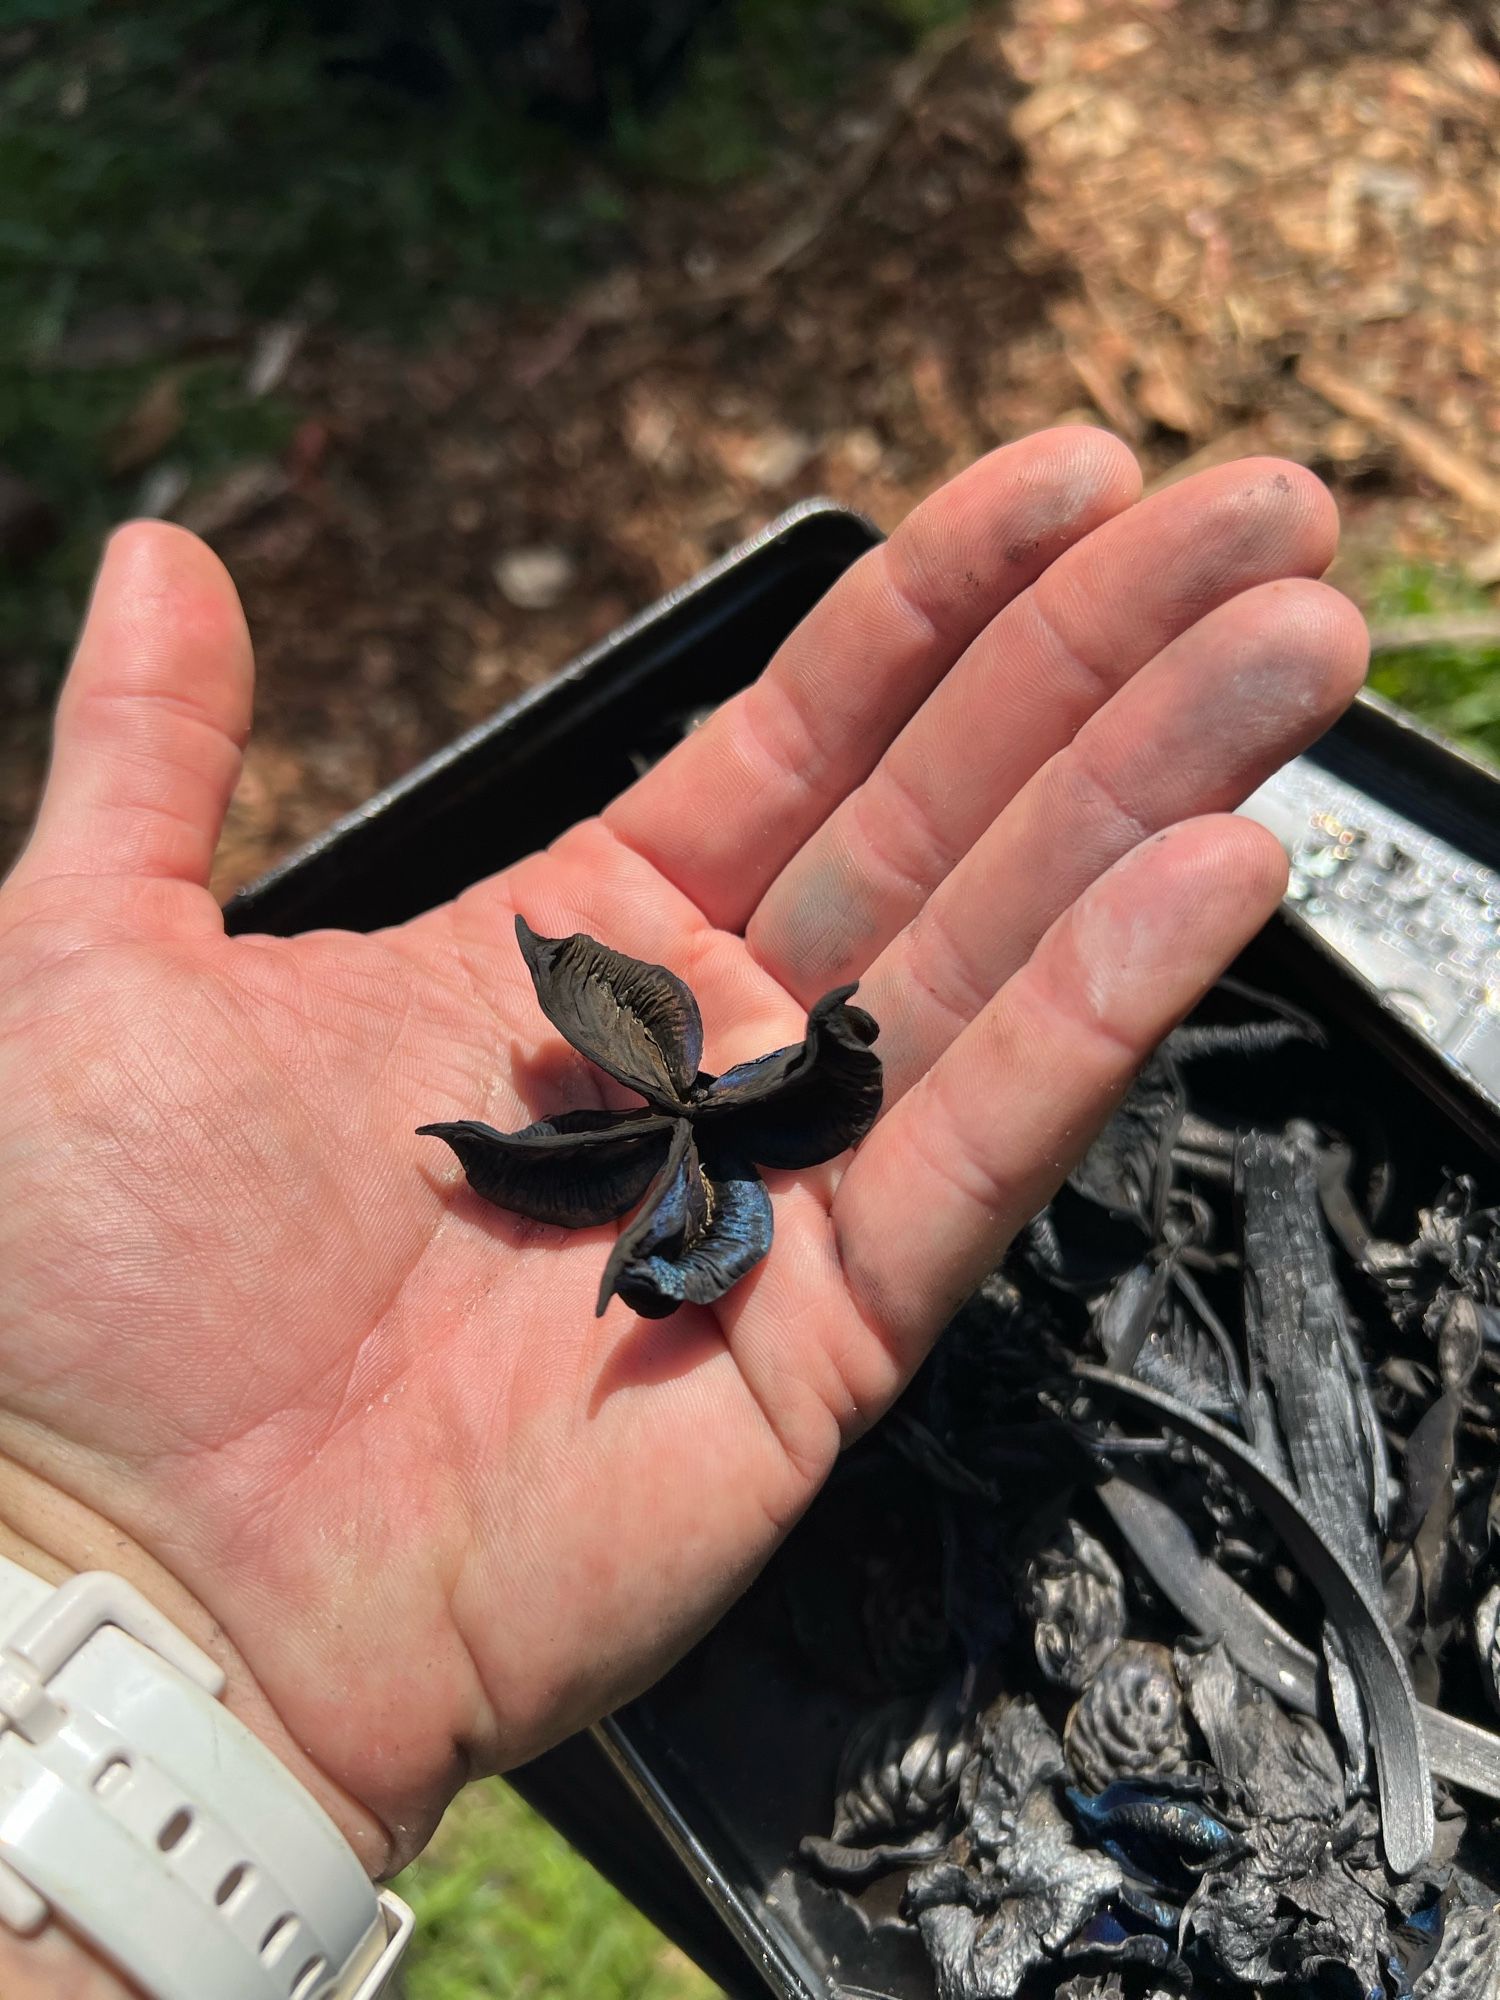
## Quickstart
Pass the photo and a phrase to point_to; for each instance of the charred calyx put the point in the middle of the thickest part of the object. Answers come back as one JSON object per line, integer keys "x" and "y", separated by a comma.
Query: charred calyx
{"x": 690, "y": 1157}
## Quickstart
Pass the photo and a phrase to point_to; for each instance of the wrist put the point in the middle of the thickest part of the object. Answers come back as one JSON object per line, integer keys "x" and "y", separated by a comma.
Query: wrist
{"x": 57, "y": 1966}
{"x": 141, "y": 1825}
{"x": 53, "y": 1539}
{"x": 55, "y": 1536}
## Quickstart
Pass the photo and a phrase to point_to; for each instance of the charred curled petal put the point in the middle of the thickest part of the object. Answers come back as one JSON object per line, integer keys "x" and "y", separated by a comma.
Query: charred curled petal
{"x": 577, "y": 1168}
{"x": 1276, "y": 1768}
{"x": 1076, "y": 1598}
{"x": 1148, "y": 1909}
{"x": 1128, "y": 1722}
{"x": 637, "y": 1021}
{"x": 985, "y": 1932}
{"x": 950, "y": 1883}
{"x": 900, "y": 1770}
{"x": 1402, "y": 1590}
{"x": 1154, "y": 1322}
{"x": 671, "y": 1216}
{"x": 1421, "y": 1932}
{"x": 854, "y": 1865}
{"x": 1017, "y": 1752}
{"x": 933, "y": 1761}
{"x": 1340, "y": 1923}
{"x": 1166, "y": 1838}
{"x": 1405, "y": 1782}
{"x": 804, "y": 1103}
{"x": 1463, "y": 1239}
{"x": 1427, "y": 1468}
{"x": 1128, "y": 1168}
{"x": 1456, "y": 1253}
{"x": 1232, "y": 1920}
{"x": 1460, "y": 1341}
{"x": 734, "y": 1236}
{"x": 1119, "y": 1933}
{"x": 1487, "y": 1641}
{"x": 1467, "y": 1963}
{"x": 1110, "y": 1985}
{"x": 898, "y": 1784}
{"x": 1319, "y": 1932}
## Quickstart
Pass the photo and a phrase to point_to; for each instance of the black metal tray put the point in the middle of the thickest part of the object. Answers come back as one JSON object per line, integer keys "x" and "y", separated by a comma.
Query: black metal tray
{"x": 693, "y": 1798}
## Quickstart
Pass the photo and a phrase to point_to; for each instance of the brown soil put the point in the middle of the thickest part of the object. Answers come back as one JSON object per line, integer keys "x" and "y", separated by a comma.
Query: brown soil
{"x": 1144, "y": 212}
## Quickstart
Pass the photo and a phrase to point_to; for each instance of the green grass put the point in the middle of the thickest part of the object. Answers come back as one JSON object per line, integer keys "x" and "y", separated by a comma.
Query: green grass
{"x": 504, "y": 1906}
{"x": 198, "y": 154}
{"x": 770, "y": 65}
{"x": 1456, "y": 689}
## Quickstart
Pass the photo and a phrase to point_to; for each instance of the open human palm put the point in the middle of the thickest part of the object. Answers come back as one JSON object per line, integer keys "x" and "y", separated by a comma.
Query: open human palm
{"x": 262, "y": 1339}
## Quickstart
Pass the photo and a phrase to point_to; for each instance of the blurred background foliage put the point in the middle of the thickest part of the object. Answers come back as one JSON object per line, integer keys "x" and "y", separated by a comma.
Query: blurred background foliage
{"x": 173, "y": 173}
{"x": 357, "y": 288}
{"x": 464, "y": 334}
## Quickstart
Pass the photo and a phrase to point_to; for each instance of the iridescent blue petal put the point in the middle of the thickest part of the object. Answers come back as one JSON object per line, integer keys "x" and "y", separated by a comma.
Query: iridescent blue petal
{"x": 672, "y": 1214}
{"x": 1145, "y": 1908}
{"x": 735, "y": 1235}
{"x": 1163, "y": 1836}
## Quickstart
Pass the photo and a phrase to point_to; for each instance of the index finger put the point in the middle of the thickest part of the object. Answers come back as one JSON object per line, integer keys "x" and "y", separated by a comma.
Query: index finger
{"x": 730, "y": 807}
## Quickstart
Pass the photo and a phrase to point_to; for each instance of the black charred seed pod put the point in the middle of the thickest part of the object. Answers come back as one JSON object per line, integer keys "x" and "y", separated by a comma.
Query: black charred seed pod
{"x": 900, "y": 1772}
{"x": 1128, "y": 1722}
{"x": 1487, "y": 1641}
{"x": 1076, "y": 1598}
{"x": 1467, "y": 1964}
{"x": 690, "y": 1155}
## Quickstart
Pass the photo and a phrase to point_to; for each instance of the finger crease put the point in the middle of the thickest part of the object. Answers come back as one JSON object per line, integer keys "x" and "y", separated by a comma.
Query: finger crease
{"x": 1075, "y": 764}
{"x": 959, "y": 1167}
{"x": 1059, "y": 1000}
{"x": 786, "y": 739}
{"x": 963, "y": 993}
{"x": 930, "y": 631}
{"x": 1100, "y": 683}
{"x": 143, "y": 703}
{"x": 906, "y": 810}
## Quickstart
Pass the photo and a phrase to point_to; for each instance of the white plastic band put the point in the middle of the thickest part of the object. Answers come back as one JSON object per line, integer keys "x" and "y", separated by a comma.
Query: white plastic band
{"x": 139, "y": 1811}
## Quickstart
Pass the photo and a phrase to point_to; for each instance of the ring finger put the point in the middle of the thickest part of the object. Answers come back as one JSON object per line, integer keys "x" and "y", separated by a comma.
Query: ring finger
{"x": 1212, "y": 716}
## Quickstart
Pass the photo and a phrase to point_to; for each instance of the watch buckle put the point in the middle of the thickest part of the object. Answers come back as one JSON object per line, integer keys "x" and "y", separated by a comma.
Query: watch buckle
{"x": 398, "y": 1920}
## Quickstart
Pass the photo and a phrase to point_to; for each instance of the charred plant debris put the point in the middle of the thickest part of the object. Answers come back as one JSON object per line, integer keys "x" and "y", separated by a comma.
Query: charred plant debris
{"x": 1203, "y": 1701}
{"x": 690, "y": 1156}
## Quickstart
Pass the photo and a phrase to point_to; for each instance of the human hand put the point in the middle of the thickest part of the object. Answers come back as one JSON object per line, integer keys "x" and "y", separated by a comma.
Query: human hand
{"x": 361, "y": 1433}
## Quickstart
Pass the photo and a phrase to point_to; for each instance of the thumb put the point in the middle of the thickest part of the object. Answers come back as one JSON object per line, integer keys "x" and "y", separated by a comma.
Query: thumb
{"x": 152, "y": 718}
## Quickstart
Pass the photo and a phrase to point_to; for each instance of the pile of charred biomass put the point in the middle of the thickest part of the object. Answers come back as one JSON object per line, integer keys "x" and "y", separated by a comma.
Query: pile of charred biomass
{"x": 1214, "y": 1458}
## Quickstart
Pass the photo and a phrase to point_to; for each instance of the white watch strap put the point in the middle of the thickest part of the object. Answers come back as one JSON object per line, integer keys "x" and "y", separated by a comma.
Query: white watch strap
{"x": 139, "y": 1811}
